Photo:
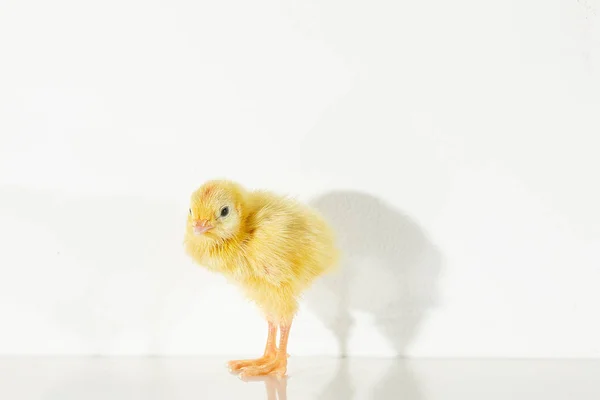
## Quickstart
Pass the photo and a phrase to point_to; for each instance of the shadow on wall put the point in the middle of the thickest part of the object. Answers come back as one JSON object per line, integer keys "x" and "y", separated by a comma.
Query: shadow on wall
{"x": 388, "y": 269}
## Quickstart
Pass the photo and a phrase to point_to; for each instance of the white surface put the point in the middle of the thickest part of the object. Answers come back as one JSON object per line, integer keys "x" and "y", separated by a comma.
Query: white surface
{"x": 462, "y": 135}
{"x": 309, "y": 378}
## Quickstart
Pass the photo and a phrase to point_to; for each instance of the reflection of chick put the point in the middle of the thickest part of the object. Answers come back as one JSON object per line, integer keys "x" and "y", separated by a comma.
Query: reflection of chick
{"x": 276, "y": 388}
{"x": 270, "y": 246}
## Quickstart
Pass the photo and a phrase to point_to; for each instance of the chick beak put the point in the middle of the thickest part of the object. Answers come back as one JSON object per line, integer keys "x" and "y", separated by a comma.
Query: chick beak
{"x": 201, "y": 227}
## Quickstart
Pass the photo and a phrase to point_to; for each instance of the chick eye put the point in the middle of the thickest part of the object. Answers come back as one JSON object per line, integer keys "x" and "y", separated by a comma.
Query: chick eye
{"x": 190, "y": 210}
{"x": 224, "y": 211}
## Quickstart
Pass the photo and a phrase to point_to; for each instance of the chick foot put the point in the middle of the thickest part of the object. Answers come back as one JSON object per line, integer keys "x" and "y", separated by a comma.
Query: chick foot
{"x": 277, "y": 367}
{"x": 237, "y": 365}
{"x": 268, "y": 355}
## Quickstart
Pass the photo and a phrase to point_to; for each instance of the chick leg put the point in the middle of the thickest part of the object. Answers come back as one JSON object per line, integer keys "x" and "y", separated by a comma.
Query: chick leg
{"x": 276, "y": 366}
{"x": 268, "y": 355}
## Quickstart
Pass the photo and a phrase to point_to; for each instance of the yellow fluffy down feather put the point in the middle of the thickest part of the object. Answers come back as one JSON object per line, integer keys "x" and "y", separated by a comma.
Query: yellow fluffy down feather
{"x": 273, "y": 247}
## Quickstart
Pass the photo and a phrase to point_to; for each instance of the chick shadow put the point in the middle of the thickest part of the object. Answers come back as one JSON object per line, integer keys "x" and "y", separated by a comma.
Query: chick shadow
{"x": 389, "y": 270}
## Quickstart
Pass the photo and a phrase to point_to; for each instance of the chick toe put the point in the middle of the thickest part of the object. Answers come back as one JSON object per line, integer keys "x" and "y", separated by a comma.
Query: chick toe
{"x": 237, "y": 365}
{"x": 277, "y": 367}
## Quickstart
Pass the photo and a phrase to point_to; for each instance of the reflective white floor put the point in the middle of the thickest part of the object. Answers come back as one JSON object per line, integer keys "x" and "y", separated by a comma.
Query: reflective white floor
{"x": 309, "y": 378}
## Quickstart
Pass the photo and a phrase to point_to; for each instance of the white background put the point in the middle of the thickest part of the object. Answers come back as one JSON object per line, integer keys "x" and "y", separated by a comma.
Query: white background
{"x": 453, "y": 144}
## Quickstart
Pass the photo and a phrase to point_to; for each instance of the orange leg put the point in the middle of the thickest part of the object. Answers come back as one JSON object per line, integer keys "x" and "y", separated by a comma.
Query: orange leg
{"x": 268, "y": 355}
{"x": 276, "y": 366}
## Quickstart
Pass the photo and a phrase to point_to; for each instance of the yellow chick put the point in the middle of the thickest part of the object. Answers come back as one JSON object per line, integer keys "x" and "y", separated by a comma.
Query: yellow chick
{"x": 272, "y": 247}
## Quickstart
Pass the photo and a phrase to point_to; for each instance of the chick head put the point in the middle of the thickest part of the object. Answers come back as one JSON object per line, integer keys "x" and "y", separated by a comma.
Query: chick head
{"x": 216, "y": 210}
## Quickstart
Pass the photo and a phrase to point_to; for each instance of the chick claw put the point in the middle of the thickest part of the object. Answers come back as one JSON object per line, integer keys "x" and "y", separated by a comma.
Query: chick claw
{"x": 277, "y": 367}
{"x": 236, "y": 365}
